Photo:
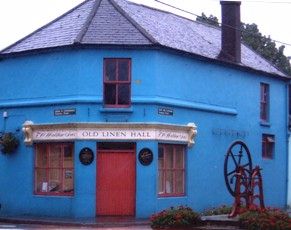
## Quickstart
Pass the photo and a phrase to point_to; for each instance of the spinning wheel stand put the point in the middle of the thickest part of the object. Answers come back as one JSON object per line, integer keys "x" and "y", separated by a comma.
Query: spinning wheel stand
{"x": 242, "y": 181}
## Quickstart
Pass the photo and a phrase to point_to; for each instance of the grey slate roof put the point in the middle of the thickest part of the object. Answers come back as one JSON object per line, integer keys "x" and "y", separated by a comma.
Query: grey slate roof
{"x": 119, "y": 22}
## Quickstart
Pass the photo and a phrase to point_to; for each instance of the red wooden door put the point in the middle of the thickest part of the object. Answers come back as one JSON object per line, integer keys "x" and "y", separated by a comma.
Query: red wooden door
{"x": 115, "y": 183}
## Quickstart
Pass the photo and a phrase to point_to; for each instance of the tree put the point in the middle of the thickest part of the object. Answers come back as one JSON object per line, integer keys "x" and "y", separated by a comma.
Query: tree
{"x": 212, "y": 20}
{"x": 263, "y": 45}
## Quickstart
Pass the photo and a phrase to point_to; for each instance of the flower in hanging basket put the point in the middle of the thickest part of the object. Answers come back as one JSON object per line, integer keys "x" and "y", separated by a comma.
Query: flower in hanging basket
{"x": 9, "y": 143}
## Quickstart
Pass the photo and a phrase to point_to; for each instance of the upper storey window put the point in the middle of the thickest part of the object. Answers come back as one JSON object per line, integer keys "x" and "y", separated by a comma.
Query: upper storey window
{"x": 264, "y": 102}
{"x": 117, "y": 82}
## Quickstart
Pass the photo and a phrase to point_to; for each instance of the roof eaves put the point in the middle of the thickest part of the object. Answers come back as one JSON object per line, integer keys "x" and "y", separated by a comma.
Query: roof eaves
{"x": 133, "y": 22}
{"x": 227, "y": 63}
{"x": 74, "y": 47}
{"x": 46, "y": 25}
{"x": 86, "y": 25}
{"x": 261, "y": 56}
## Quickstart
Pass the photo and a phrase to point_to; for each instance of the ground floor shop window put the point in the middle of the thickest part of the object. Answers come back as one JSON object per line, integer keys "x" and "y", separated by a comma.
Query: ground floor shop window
{"x": 171, "y": 166}
{"x": 54, "y": 169}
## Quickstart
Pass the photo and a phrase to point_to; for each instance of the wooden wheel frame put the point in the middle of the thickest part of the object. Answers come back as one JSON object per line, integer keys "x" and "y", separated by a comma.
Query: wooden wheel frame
{"x": 237, "y": 155}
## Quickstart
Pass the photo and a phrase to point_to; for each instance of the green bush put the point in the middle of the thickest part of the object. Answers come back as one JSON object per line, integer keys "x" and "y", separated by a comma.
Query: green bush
{"x": 179, "y": 217}
{"x": 266, "y": 219}
{"x": 221, "y": 210}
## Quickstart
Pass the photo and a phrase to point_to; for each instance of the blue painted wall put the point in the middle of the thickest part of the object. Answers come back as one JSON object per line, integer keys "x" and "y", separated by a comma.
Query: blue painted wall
{"x": 222, "y": 101}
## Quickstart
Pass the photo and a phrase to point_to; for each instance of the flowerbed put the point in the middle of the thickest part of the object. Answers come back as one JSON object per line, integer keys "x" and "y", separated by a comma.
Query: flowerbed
{"x": 180, "y": 217}
{"x": 250, "y": 219}
{"x": 266, "y": 219}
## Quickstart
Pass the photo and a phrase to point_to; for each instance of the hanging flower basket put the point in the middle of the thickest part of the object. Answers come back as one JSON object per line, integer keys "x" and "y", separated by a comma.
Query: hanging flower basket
{"x": 8, "y": 142}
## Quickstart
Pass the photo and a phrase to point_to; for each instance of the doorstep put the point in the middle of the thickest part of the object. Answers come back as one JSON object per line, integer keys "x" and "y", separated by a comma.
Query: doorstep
{"x": 220, "y": 220}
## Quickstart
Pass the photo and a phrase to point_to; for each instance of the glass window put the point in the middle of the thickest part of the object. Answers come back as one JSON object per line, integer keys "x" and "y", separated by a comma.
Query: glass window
{"x": 117, "y": 82}
{"x": 54, "y": 169}
{"x": 264, "y": 102}
{"x": 268, "y": 145}
{"x": 171, "y": 170}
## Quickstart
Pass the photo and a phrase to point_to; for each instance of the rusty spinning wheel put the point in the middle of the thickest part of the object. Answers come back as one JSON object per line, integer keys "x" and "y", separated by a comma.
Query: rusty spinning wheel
{"x": 238, "y": 155}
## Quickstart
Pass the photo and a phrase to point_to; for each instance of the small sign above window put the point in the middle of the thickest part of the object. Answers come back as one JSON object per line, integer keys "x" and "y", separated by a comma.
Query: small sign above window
{"x": 64, "y": 112}
{"x": 166, "y": 111}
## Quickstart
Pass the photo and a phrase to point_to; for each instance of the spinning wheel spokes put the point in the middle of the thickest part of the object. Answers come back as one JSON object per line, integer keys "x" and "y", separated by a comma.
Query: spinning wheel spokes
{"x": 238, "y": 155}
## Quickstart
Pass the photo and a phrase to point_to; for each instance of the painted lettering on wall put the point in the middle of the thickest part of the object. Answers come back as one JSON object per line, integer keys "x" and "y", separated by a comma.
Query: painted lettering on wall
{"x": 172, "y": 135}
{"x": 54, "y": 134}
{"x": 230, "y": 133}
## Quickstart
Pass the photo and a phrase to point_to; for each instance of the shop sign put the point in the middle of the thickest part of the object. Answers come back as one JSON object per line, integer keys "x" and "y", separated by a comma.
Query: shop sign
{"x": 112, "y": 134}
{"x": 109, "y": 131}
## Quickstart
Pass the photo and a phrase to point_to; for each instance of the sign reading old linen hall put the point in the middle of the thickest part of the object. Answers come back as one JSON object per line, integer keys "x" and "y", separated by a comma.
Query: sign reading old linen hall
{"x": 108, "y": 131}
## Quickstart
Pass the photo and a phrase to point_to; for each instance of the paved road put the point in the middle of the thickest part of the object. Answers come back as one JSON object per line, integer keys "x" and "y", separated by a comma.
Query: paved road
{"x": 142, "y": 227}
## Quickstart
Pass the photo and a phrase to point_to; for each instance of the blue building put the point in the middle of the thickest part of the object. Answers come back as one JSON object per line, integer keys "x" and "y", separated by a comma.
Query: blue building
{"x": 123, "y": 109}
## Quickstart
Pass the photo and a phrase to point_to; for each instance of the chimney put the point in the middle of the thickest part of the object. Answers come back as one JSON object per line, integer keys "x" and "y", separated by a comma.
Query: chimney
{"x": 230, "y": 31}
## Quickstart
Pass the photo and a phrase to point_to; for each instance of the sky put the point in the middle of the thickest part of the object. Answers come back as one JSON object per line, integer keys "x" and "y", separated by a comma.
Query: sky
{"x": 19, "y": 18}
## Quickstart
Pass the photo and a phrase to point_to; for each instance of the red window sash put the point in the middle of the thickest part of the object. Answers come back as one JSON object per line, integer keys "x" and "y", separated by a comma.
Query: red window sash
{"x": 117, "y": 82}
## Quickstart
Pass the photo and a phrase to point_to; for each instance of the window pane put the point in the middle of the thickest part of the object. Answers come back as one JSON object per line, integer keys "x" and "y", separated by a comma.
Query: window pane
{"x": 268, "y": 143}
{"x": 54, "y": 180}
{"x": 161, "y": 182}
{"x": 110, "y": 70}
{"x": 161, "y": 157}
{"x": 269, "y": 150}
{"x": 123, "y": 70}
{"x": 179, "y": 158}
{"x": 263, "y": 111}
{"x": 169, "y": 181}
{"x": 169, "y": 157}
{"x": 41, "y": 180}
{"x": 264, "y": 103}
{"x": 123, "y": 94}
{"x": 264, "y": 147}
{"x": 55, "y": 156}
{"x": 110, "y": 94}
{"x": 68, "y": 157}
{"x": 41, "y": 156}
{"x": 68, "y": 180}
{"x": 179, "y": 178}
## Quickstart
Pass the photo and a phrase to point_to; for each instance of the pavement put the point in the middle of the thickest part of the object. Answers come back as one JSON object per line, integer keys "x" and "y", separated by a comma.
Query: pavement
{"x": 221, "y": 222}
{"x": 97, "y": 222}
